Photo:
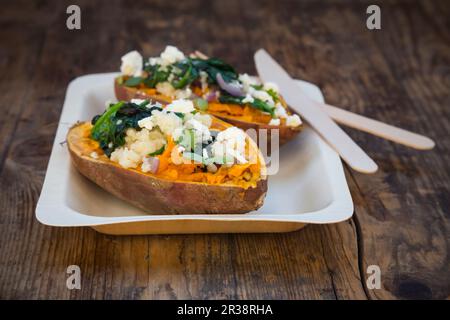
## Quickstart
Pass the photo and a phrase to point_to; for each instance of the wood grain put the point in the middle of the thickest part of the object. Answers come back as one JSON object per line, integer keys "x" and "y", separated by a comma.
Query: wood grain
{"x": 399, "y": 74}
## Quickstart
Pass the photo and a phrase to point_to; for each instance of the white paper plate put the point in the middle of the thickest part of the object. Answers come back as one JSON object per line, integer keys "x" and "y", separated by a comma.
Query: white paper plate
{"x": 310, "y": 186}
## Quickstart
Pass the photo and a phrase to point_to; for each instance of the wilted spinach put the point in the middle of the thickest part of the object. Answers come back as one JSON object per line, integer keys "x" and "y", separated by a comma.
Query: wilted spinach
{"x": 110, "y": 127}
{"x": 257, "y": 103}
{"x": 185, "y": 72}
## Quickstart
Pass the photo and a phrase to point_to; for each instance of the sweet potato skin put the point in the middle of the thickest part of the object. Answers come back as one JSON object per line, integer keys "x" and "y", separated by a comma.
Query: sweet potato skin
{"x": 285, "y": 133}
{"x": 159, "y": 196}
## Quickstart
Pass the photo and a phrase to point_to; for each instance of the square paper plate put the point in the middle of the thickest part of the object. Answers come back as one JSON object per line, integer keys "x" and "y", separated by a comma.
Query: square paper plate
{"x": 310, "y": 186}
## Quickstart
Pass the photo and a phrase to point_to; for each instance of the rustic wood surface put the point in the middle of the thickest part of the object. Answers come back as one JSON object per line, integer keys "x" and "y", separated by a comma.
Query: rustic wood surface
{"x": 399, "y": 74}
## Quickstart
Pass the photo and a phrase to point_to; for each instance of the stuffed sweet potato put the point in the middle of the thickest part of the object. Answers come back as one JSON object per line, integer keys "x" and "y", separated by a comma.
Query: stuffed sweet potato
{"x": 170, "y": 160}
{"x": 212, "y": 85}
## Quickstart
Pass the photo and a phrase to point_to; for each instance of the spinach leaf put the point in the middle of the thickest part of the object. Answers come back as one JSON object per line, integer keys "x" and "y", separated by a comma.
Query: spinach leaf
{"x": 133, "y": 81}
{"x": 156, "y": 74}
{"x": 110, "y": 128}
{"x": 213, "y": 66}
{"x": 158, "y": 152}
{"x": 257, "y": 103}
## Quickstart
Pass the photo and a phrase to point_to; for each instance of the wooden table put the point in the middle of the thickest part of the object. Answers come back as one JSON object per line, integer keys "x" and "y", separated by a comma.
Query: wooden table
{"x": 399, "y": 74}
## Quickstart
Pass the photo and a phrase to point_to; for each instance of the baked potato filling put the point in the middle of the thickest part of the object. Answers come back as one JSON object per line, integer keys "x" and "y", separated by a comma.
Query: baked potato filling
{"x": 174, "y": 142}
{"x": 210, "y": 83}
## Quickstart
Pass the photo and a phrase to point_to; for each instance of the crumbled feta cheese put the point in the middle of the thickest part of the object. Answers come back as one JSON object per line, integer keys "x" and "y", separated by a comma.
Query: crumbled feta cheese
{"x": 274, "y": 122}
{"x": 293, "y": 121}
{"x": 94, "y": 155}
{"x": 165, "y": 88}
{"x": 125, "y": 157}
{"x": 167, "y": 122}
{"x": 119, "y": 122}
{"x": 230, "y": 142}
{"x": 248, "y": 98}
{"x": 271, "y": 86}
{"x": 201, "y": 131}
{"x": 181, "y": 106}
{"x": 146, "y": 123}
{"x": 138, "y": 144}
{"x": 211, "y": 168}
{"x": 246, "y": 81}
{"x": 132, "y": 64}
{"x": 204, "y": 80}
{"x": 137, "y": 101}
{"x": 110, "y": 145}
{"x": 183, "y": 94}
{"x": 263, "y": 95}
{"x": 280, "y": 111}
{"x": 169, "y": 56}
{"x": 176, "y": 155}
{"x": 204, "y": 119}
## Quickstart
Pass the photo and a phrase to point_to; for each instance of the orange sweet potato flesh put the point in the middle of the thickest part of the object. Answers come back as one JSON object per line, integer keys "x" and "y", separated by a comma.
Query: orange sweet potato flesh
{"x": 254, "y": 119}
{"x": 159, "y": 194}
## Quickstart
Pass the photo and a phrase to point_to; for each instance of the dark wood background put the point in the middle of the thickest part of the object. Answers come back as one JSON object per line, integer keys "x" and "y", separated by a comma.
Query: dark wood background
{"x": 399, "y": 74}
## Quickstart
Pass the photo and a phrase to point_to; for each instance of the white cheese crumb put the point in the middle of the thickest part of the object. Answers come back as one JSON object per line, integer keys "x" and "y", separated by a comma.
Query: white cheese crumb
{"x": 181, "y": 106}
{"x": 271, "y": 86}
{"x": 169, "y": 56}
{"x": 246, "y": 81}
{"x": 262, "y": 95}
{"x": 94, "y": 155}
{"x": 230, "y": 142}
{"x": 274, "y": 122}
{"x": 132, "y": 64}
{"x": 204, "y": 80}
{"x": 201, "y": 131}
{"x": 248, "y": 98}
{"x": 165, "y": 88}
{"x": 167, "y": 122}
{"x": 211, "y": 168}
{"x": 137, "y": 101}
{"x": 183, "y": 94}
{"x": 146, "y": 123}
{"x": 293, "y": 121}
{"x": 280, "y": 111}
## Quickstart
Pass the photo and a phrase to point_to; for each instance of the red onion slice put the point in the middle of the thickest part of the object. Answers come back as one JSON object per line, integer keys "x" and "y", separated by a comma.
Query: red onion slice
{"x": 154, "y": 164}
{"x": 232, "y": 89}
{"x": 211, "y": 96}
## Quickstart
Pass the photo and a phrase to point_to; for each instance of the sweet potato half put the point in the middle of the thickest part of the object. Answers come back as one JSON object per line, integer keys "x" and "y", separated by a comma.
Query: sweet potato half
{"x": 157, "y": 195}
{"x": 257, "y": 121}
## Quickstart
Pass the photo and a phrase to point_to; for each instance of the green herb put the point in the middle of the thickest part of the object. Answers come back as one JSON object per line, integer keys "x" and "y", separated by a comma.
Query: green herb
{"x": 156, "y": 74}
{"x": 274, "y": 95}
{"x": 158, "y": 152}
{"x": 133, "y": 81}
{"x": 257, "y": 103}
{"x": 109, "y": 129}
{"x": 257, "y": 86}
{"x": 201, "y": 104}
